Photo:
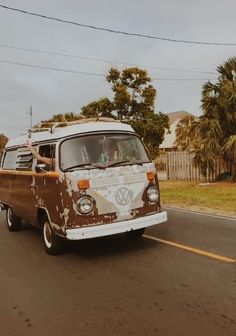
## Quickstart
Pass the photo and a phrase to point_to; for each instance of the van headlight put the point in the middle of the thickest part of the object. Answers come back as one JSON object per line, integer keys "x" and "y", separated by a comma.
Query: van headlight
{"x": 85, "y": 205}
{"x": 153, "y": 194}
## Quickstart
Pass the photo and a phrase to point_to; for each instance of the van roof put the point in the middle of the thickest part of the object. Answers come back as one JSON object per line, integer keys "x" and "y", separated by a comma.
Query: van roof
{"x": 62, "y": 132}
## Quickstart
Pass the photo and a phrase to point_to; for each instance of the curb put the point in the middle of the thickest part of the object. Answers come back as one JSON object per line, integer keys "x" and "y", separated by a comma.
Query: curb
{"x": 196, "y": 212}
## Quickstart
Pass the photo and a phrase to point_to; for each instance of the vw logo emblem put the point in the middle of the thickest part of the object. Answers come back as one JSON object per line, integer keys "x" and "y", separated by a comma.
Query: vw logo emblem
{"x": 124, "y": 196}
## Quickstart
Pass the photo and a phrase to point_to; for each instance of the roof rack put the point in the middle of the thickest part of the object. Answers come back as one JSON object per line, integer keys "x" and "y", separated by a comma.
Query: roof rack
{"x": 51, "y": 125}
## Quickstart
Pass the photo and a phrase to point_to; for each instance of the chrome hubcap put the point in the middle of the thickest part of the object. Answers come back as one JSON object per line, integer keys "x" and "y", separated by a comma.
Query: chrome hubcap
{"x": 9, "y": 216}
{"x": 47, "y": 233}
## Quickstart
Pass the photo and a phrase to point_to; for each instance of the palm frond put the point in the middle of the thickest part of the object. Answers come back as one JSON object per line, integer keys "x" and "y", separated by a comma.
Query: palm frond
{"x": 229, "y": 148}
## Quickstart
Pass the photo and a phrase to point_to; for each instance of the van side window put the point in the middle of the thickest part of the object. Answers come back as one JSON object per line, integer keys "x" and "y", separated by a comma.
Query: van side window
{"x": 9, "y": 160}
{"x": 24, "y": 159}
{"x": 1, "y": 157}
{"x": 48, "y": 151}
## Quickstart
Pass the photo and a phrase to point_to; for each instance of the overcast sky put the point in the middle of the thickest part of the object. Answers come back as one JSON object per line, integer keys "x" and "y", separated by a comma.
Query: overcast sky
{"x": 51, "y": 92}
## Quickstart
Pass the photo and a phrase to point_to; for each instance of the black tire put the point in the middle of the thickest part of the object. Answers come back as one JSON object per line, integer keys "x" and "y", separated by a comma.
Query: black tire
{"x": 53, "y": 243}
{"x": 13, "y": 222}
{"x": 136, "y": 233}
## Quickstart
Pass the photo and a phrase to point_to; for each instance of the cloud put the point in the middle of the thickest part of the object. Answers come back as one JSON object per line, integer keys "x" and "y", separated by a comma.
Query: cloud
{"x": 51, "y": 92}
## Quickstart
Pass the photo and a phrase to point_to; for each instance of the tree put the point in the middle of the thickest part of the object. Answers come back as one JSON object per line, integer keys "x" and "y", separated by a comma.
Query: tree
{"x": 59, "y": 118}
{"x": 216, "y": 128}
{"x": 102, "y": 107}
{"x": 3, "y": 141}
{"x": 69, "y": 116}
{"x": 134, "y": 96}
{"x": 184, "y": 133}
{"x": 133, "y": 102}
{"x": 151, "y": 130}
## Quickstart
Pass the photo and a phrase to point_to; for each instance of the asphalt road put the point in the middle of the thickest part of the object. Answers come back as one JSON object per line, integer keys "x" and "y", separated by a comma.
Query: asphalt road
{"x": 120, "y": 286}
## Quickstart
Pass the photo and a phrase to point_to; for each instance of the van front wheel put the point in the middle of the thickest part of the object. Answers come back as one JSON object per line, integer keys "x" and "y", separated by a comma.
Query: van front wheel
{"x": 13, "y": 222}
{"x": 53, "y": 244}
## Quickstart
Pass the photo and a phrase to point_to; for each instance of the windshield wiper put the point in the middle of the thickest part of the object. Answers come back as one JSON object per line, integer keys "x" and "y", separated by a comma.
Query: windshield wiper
{"x": 117, "y": 163}
{"x": 88, "y": 164}
{"x": 78, "y": 166}
{"x": 140, "y": 162}
{"x": 105, "y": 165}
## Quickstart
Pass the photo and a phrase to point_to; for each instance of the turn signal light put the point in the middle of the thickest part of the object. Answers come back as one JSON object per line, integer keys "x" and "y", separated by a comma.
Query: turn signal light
{"x": 83, "y": 184}
{"x": 150, "y": 176}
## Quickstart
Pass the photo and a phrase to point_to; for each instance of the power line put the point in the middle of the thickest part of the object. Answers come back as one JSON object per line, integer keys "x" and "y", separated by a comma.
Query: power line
{"x": 116, "y": 31}
{"x": 52, "y": 68}
{"x": 103, "y": 60}
{"x": 96, "y": 74}
{"x": 13, "y": 109}
{"x": 183, "y": 79}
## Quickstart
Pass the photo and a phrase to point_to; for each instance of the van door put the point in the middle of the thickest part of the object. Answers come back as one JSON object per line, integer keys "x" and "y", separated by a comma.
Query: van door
{"x": 22, "y": 200}
{"x": 42, "y": 189}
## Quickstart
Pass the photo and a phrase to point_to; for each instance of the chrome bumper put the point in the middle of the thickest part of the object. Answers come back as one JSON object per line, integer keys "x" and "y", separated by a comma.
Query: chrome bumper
{"x": 115, "y": 228}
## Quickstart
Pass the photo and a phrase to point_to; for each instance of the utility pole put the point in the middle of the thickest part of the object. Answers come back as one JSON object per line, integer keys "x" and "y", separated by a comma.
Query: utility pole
{"x": 31, "y": 114}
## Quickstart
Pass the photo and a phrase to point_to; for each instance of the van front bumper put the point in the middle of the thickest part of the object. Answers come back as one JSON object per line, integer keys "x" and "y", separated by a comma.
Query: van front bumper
{"x": 115, "y": 228}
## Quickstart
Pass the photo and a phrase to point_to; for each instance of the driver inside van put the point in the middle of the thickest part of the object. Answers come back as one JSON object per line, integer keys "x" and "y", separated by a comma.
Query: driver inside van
{"x": 109, "y": 152}
{"x": 49, "y": 160}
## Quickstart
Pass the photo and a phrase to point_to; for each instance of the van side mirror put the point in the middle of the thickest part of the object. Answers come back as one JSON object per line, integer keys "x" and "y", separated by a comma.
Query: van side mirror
{"x": 41, "y": 168}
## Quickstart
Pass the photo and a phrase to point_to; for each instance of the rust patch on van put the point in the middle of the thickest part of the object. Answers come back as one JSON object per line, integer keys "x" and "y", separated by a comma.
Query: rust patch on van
{"x": 58, "y": 194}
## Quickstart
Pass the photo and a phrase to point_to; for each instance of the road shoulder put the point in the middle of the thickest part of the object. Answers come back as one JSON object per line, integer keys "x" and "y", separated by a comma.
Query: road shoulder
{"x": 211, "y": 212}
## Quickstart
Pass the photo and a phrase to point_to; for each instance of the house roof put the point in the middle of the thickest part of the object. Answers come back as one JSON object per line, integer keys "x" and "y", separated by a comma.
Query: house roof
{"x": 173, "y": 116}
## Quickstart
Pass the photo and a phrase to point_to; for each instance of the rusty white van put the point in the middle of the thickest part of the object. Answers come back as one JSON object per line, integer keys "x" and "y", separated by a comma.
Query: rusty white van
{"x": 103, "y": 182}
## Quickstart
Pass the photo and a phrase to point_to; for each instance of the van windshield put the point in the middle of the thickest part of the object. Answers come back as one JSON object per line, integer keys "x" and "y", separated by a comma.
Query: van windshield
{"x": 102, "y": 151}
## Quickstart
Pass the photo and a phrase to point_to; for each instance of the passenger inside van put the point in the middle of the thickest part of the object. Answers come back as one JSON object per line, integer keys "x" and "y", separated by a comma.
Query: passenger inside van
{"x": 46, "y": 154}
{"x": 109, "y": 151}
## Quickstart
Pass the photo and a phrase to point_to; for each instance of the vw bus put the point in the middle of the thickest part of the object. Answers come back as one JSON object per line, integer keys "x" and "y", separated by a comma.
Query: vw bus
{"x": 103, "y": 182}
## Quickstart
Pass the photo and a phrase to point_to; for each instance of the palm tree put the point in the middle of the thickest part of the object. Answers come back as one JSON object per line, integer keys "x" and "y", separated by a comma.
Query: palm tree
{"x": 216, "y": 128}
{"x": 184, "y": 133}
{"x": 229, "y": 149}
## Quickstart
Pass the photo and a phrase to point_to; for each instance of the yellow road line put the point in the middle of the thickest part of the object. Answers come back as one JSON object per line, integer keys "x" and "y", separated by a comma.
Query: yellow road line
{"x": 192, "y": 249}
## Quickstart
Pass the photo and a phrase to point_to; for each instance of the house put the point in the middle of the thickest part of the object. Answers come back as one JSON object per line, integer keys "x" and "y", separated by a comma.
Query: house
{"x": 168, "y": 144}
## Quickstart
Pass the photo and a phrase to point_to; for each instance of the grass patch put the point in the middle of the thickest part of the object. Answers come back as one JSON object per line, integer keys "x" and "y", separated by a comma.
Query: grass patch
{"x": 213, "y": 197}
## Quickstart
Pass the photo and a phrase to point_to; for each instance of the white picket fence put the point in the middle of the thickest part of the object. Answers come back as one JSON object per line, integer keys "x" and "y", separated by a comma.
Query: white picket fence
{"x": 180, "y": 166}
